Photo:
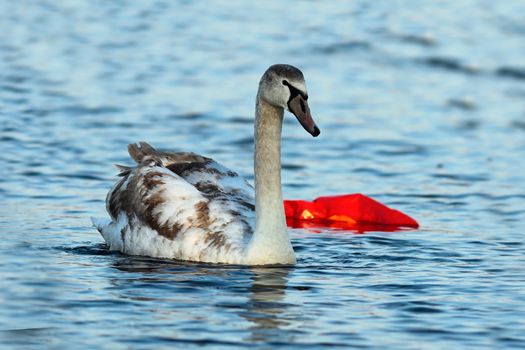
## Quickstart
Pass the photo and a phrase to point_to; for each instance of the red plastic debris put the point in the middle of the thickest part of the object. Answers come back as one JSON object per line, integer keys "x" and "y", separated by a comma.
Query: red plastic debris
{"x": 350, "y": 211}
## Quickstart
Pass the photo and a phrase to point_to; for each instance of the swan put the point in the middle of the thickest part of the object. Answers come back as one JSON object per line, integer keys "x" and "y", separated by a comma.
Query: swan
{"x": 189, "y": 207}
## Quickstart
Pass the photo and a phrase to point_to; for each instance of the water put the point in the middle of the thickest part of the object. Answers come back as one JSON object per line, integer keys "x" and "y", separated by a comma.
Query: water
{"x": 421, "y": 107}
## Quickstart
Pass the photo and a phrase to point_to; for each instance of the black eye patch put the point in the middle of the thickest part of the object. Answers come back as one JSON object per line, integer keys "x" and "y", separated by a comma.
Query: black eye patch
{"x": 294, "y": 91}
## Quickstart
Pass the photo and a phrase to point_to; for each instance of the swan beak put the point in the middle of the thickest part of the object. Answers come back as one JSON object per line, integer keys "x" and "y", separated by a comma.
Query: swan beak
{"x": 299, "y": 107}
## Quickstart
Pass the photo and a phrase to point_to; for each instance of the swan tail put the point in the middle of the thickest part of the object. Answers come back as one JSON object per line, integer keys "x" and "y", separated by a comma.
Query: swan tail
{"x": 99, "y": 223}
{"x": 111, "y": 231}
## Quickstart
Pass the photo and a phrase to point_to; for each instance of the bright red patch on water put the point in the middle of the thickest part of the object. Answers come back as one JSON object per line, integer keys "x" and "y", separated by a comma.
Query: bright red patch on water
{"x": 355, "y": 212}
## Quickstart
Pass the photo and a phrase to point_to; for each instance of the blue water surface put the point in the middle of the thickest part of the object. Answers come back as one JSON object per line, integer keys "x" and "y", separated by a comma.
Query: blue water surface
{"x": 421, "y": 106}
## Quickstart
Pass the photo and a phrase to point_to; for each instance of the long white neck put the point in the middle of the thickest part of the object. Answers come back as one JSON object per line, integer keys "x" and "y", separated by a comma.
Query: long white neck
{"x": 270, "y": 243}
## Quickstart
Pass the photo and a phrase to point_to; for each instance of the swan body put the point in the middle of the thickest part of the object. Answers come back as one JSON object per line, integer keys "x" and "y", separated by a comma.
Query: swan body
{"x": 189, "y": 207}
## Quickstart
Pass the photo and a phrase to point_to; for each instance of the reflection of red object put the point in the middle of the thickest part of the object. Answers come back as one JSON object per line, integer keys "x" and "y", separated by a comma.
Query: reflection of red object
{"x": 350, "y": 211}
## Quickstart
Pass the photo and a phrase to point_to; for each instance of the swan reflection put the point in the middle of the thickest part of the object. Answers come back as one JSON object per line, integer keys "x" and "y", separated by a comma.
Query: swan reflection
{"x": 194, "y": 292}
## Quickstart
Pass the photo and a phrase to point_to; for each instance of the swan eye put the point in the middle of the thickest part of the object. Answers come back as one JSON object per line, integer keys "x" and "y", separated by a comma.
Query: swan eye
{"x": 285, "y": 82}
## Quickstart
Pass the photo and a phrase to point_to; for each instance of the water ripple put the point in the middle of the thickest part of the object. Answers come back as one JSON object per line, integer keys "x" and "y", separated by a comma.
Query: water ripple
{"x": 425, "y": 116}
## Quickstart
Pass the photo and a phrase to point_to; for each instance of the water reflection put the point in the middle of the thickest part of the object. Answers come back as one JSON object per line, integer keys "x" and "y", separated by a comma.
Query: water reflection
{"x": 181, "y": 288}
{"x": 323, "y": 226}
{"x": 265, "y": 308}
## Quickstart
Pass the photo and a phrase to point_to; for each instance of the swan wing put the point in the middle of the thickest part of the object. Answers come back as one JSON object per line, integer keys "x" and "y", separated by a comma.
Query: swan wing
{"x": 179, "y": 205}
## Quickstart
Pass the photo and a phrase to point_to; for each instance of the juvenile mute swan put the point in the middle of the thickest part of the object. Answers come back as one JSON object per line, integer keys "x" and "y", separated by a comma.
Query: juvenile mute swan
{"x": 188, "y": 207}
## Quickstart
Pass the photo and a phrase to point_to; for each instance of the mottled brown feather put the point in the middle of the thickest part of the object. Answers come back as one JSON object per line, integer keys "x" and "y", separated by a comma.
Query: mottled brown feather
{"x": 143, "y": 194}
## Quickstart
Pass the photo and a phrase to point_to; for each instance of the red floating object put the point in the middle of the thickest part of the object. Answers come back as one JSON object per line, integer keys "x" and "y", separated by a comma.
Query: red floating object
{"x": 350, "y": 211}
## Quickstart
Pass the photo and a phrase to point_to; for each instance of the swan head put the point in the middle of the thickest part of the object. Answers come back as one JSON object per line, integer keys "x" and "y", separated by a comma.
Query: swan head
{"x": 283, "y": 86}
